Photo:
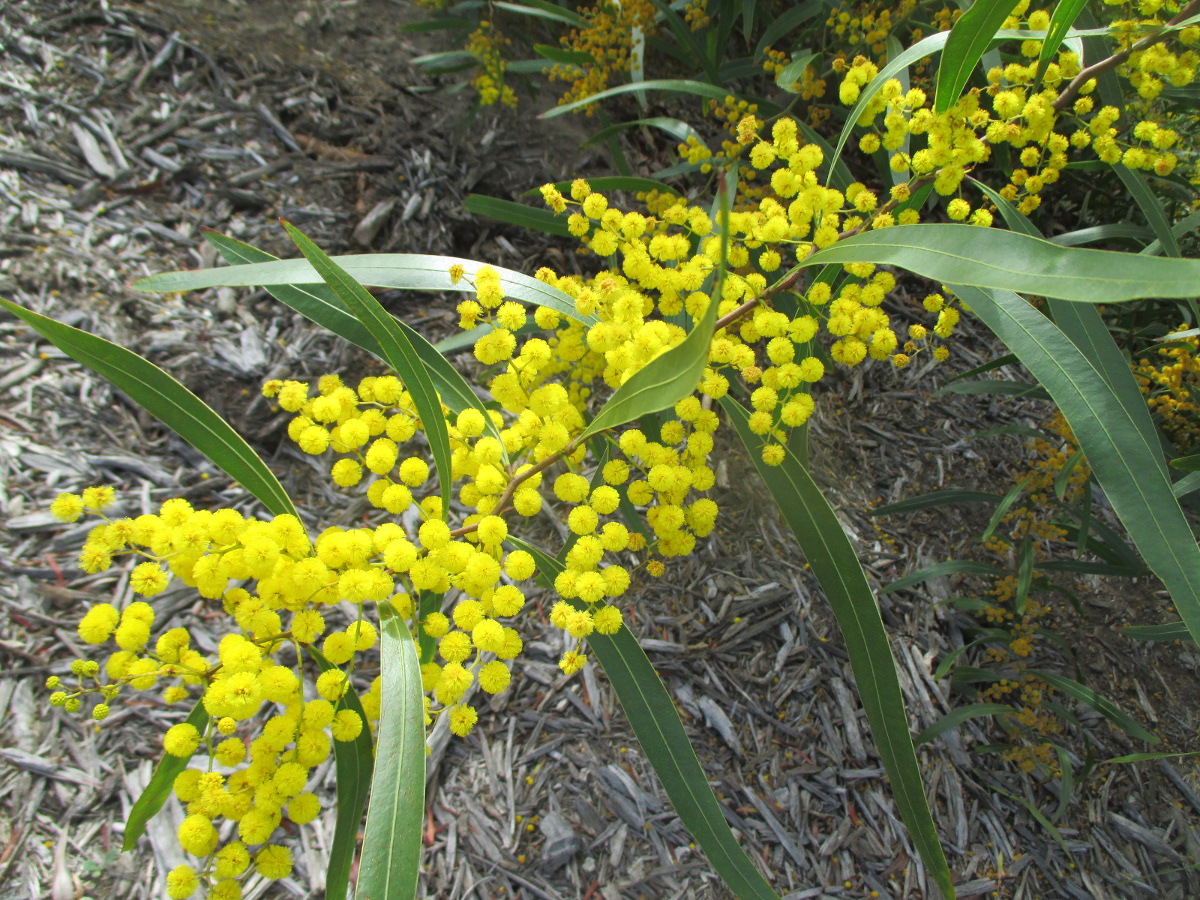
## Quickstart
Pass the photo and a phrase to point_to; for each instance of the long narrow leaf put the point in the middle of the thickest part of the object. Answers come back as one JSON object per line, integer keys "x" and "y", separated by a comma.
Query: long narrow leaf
{"x": 950, "y": 567}
{"x": 655, "y": 721}
{"x": 948, "y": 497}
{"x": 353, "y": 761}
{"x": 1124, "y": 462}
{"x": 969, "y": 39}
{"x": 391, "y": 855}
{"x": 1151, "y": 207}
{"x": 1171, "y": 631}
{"x": 170, "y": 402}
{"x": 397, "y": 350}
{"x": 833, "y": 560}
{"x": 151, "y": 800}
{"x": 321, "y": 305}
{"x": 1099, "y": 703}
{"x": 518, "y": 214}
{"x": 989, "y": 258}
{"x": 406, "y": 271}
{"x": 955, "y": 718}
{"x": 674, "y": 375}
{"x": 1063, "y": 17}
{"x": 674, "y": 85}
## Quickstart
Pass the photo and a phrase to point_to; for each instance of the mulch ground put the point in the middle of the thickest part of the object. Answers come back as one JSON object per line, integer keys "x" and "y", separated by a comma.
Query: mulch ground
{"x": 127, "y": 129}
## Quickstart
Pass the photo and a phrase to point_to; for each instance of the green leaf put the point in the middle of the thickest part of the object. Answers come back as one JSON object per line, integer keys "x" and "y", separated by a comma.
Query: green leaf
{"x": 829, "y": 552}
{"x": 998, "y": 388}
{"x": 1145, "y": 757}
{"x": 1123, "y": 461}
{"x": 543, "y": 9}
{"x": 1014, "y": 493}
{"x": 1187, "y": 463}
{"x": 161, "y": 782}
{"x": 792, "y": 17}
{"x": 1063, "y": 17}
{"x": 1151, "y": 207}
{"x": 1170, "y": 631}
{"x": 170, "y": 402}
{"x": 955, "y": 718}
{"x": 563, "y": 56}
{"x": 989, "y": 258}
{"x": 970, "y": 37}
{"x": 1100, "y": 704}
{"x": 673, "y": 85}
{"x": 630, "y": 183}
{"x": 791, "y": 74}
{"x": 354, "y": 761}
{"x": 655, "y": 721}
{"x": 677, "y": 129}
{"x": 391, "y": 855}
{"x": 924, "y": 47}
{"x": 406, "y": 271}
{"x": 397, "y": 350}
{"x": 1115, "y": 231}
{"x": 517, "y": 214}
{"x": 1186, "y": 485}
{"x": 950, "y": 567}
{"x": 321, "y": 305}
{"x": 1063, "y": 479}
{"x": 665, "y": 381}
{"x": 947, "y": 497}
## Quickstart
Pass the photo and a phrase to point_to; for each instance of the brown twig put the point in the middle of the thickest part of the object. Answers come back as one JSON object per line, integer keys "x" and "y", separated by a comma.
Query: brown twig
{"x": 1120, "y": 56}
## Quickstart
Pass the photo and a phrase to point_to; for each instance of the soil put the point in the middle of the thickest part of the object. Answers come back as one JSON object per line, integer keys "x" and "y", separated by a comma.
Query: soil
{"x": 337, "y": 78}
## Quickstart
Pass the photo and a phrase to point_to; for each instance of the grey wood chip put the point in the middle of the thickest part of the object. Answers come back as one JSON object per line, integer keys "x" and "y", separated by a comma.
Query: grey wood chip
{"x": 561, "y": 841}
{"x": 717, "y": 720}
{"x": 92, "y": 154}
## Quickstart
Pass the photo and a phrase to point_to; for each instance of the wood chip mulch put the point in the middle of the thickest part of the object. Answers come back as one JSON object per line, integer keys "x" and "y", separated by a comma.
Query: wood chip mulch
{"x": 125, "y": 133}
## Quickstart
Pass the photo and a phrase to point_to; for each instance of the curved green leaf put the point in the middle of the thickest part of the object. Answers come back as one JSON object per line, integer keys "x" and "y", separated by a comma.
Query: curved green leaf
{"x": 989, "y": 258}
{"x": 969, "y": 38}
{"x": 406, "y": 271}
{"x": 827, "y": 549}
{"x": 354, "y": 761}
{"x": 170, "y": 402}
{"x": 1170, "y": 631}
{"x": 391, "y": 854}
{"x": 620, "y": 183}
{"x": 1151, "y": 207}
{"x": 1124, "y": 462}
{"x": 676, "y": 128}
{"x": 674, "y": 85}
{"x": 543, "y": 9}
{"x": 922, "y": 48}
{"x": 665, "y": 381}
{"x": 791, "y": 74}
{"x": 656, "y": 723}
{"x": 1099, "y": 703}
{"x": 950, "y": 567}
{"x": 1114, "y": 231}
{"x": 946, "y": 497}
{"x": 321, "y": 305}
{"x": 518, "y": 214}
{"x": 397, "y": 350}
{"x": 955, "y": 718}
{"x": 1061, "y": 20}
{"x": 151, "y": 800}
{"x": 1085, "y": 327}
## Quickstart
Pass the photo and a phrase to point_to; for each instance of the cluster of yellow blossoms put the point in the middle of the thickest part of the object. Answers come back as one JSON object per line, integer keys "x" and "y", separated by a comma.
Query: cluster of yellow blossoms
{"x": 487, "y": 46}
{"x": 1170, "y": 379}
{"x": 608, "y": 36}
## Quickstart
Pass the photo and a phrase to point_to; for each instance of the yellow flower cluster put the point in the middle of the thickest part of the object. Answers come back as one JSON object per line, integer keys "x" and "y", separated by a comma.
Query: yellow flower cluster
{"x": 487, "y": 46}
{"x": 1171, "y": 384}
{"x": 256, "y": 672}
{"x": 608, "y": 38}
{"x": 865, "y": 26}
{"x": 660, "y": 269}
